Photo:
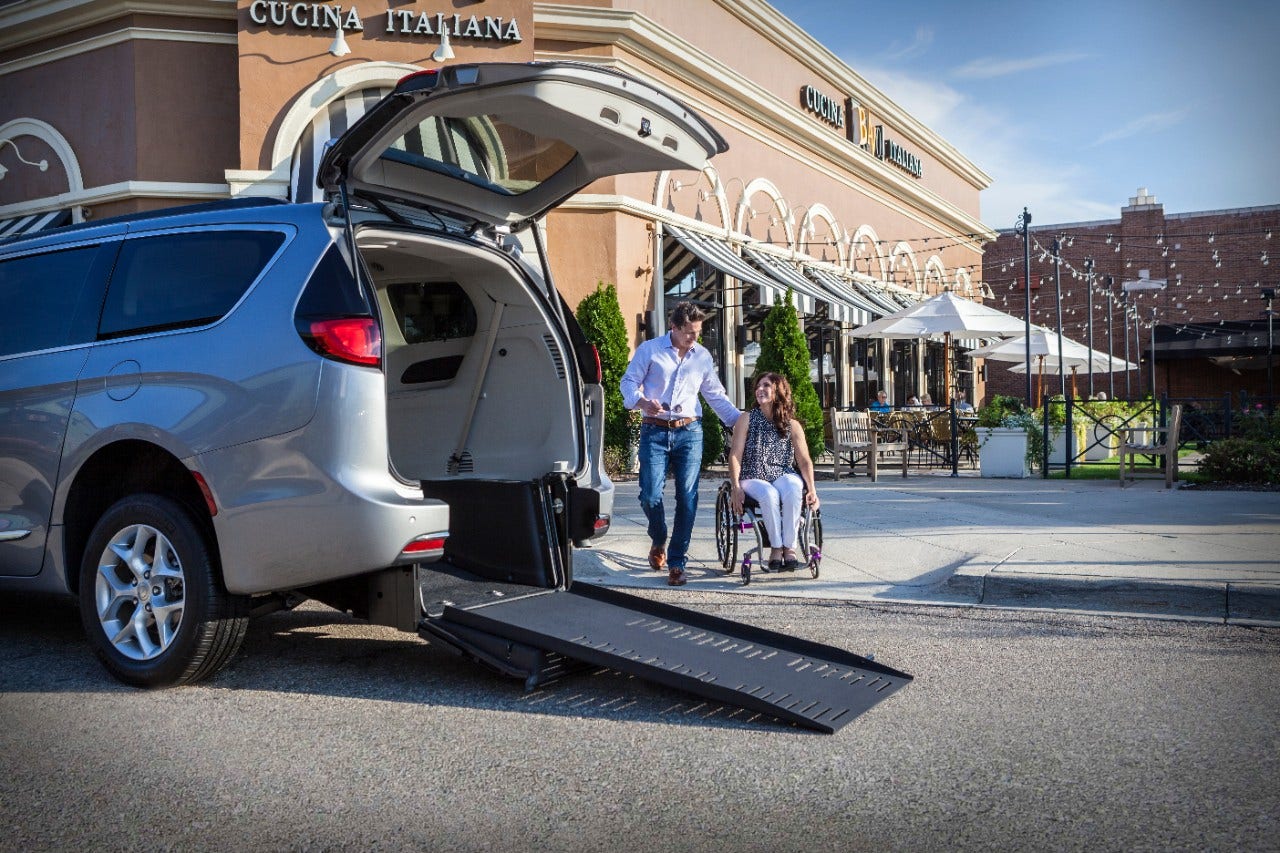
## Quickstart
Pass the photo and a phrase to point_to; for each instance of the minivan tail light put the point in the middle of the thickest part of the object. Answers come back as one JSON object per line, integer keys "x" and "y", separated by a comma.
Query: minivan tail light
{"x": 599, "y": 377}
{"x": 354, "y": 340}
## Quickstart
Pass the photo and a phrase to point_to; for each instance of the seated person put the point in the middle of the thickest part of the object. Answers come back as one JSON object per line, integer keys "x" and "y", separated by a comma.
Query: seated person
{"x": 962, "y": 405}
{"x": 926, "y": 400}
{"x": 913, "y": 402}
{"x": 882, "y": 402}
{"x": 767, "y": 449}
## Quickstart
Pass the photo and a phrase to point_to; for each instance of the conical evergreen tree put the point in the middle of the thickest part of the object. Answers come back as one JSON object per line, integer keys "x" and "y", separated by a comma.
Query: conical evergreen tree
{"x": 783, "y": 350}
{"x": 601, "y": 319}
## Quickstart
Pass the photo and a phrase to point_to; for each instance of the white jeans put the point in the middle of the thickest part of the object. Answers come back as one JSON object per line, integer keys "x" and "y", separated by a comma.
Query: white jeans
{"x": 780, "y": 505}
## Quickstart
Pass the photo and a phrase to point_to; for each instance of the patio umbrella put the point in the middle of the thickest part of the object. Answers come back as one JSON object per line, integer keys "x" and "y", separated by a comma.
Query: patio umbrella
{"x": 1043, "y": 348}
{"x": 1044, "y": 351}
{"x": 942, "y": 316}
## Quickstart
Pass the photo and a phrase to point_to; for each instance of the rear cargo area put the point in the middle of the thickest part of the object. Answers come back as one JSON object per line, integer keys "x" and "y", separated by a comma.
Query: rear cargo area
{"x": 477, "y": 380}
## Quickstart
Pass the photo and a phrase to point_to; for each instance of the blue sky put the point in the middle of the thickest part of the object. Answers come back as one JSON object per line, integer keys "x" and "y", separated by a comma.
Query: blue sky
{"x": 1070, "y": 107}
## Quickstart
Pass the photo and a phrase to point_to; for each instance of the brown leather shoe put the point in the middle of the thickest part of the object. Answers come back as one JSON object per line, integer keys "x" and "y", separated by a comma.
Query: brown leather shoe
{"x": 676, "y": 577}
{"x": 657, "y": 558}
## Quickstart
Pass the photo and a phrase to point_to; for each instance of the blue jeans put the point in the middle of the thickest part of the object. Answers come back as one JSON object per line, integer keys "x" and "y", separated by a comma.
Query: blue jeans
{"x": 678, "y": 451}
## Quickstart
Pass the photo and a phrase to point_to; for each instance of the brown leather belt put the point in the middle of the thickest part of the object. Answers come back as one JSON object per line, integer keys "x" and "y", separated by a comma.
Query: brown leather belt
{"x": 678, "y": 423}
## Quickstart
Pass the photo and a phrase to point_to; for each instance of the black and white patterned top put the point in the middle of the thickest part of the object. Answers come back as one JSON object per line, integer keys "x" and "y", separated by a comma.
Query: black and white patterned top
{"x": 767, "y": 455}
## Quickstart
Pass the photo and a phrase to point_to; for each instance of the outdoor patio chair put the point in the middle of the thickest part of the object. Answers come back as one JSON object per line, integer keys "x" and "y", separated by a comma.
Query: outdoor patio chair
{"x": 1152, "y": 441}
{"x": 856, "y": 438}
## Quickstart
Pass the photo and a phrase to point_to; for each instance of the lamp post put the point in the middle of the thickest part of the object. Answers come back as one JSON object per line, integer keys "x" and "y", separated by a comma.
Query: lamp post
{"x": 1111, "y": 337}
{"x": 1269, "y": 294}
{"x": 1128, "y": 387}
{"x": 1057, "y": 289}
{"x": 1088, "y": 275}
{"x": 1144, "y": 282}
{"x": 1023, "y": 227}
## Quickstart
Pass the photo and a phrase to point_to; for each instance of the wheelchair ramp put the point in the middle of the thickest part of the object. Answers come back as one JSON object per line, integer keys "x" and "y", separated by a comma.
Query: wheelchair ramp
{"x": 809, "y": 684}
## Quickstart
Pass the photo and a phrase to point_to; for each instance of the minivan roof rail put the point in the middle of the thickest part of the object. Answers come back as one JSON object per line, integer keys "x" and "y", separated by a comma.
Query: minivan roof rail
{"x": 179, "y": 210}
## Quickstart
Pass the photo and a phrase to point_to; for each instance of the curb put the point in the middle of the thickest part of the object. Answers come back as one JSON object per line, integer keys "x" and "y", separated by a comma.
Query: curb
{"x": 1229, "y": 602}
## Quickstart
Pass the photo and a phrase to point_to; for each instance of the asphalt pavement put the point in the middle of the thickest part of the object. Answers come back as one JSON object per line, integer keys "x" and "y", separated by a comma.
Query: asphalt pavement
{"x": 1083, "y": 545}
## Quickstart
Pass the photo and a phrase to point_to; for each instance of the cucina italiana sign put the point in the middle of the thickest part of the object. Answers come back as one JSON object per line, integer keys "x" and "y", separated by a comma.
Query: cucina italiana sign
{"x": 319, "y": 16}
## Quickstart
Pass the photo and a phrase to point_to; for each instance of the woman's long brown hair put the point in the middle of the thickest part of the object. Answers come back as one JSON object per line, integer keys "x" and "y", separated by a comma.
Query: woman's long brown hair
{"x": 784, "y": 407}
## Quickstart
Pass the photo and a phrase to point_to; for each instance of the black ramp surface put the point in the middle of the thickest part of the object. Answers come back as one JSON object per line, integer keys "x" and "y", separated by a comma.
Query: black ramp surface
{"x": 810, "y": 684}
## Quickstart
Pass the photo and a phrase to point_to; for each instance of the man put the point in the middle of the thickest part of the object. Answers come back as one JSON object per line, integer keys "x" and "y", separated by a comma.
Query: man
{"x": 962, "y": 405}
{"x": 663, "y": 381}
{"x": 882, "y": 402}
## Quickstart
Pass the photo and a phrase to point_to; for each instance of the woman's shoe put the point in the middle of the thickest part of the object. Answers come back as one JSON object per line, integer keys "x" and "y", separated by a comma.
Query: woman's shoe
{"x": 775, "y": 565}
{"x": 790, "y": 563}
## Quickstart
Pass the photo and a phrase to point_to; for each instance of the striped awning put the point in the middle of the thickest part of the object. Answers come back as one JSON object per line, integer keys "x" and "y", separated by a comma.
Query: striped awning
{"x": 863, "y": 310}
{"x": 721, "y": 255}
{"x": 877, "y": 296}
{"x": 807, "y": 293}
{"x": 329, "y": 123}
{"x": 34, "y": 222}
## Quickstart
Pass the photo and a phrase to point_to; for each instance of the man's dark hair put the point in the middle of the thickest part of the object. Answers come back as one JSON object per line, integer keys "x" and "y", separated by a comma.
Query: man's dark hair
{"x": 685, "y": 313}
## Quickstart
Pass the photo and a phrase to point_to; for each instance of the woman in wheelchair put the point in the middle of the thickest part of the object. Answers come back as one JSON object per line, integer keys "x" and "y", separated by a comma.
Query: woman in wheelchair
{"x": 769, "y": 462}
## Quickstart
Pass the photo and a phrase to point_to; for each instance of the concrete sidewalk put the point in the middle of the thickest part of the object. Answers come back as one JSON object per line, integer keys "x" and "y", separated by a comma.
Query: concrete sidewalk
{"x": 933, "y": 539}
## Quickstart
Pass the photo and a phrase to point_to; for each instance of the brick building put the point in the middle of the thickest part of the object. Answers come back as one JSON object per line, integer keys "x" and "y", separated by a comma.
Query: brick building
{"x": 1210, "y": 315}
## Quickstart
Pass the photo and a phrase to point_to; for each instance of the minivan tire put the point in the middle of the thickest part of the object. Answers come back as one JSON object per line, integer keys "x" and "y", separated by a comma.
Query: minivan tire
{"x": 151, "y": 600}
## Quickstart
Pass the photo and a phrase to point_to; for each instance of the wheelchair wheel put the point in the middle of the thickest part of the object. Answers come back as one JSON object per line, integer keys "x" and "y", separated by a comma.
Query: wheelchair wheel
{"x": 813, "y": 542}
{"x": 726, "y": 531}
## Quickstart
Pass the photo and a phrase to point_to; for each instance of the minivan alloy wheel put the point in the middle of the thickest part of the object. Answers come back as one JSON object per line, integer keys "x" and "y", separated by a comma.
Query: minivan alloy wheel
{"x": 140, "y": 592}
{"x": 151, "y": 595}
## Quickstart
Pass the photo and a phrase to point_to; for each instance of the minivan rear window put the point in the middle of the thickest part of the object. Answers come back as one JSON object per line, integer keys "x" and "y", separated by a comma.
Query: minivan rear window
{"x": 483, "y": 150}
{"x": 41, "y": 296}
{"x": 175, "y": 281}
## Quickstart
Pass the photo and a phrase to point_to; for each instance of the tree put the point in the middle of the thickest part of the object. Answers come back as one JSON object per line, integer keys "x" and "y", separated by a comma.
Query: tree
{"x": 784, "y": 350}
{"x": 601, "y": 319}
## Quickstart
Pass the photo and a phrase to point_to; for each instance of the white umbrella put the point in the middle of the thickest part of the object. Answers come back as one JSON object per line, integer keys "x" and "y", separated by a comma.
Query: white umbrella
{"x": 1044, "y": 349}
{"x": 943, "y": 315}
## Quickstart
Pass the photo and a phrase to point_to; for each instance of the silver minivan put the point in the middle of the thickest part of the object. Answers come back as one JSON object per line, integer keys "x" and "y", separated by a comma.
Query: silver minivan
{"x": 213, "y": 411}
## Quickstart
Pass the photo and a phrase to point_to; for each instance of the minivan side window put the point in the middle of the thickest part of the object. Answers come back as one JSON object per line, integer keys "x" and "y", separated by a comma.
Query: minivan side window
{"x": 176, "y": 281}
{"x": 41, "y": 295}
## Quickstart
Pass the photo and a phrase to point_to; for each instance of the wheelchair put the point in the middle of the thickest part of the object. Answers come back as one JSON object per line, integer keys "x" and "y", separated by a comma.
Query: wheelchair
{"x": 729, "y": 526}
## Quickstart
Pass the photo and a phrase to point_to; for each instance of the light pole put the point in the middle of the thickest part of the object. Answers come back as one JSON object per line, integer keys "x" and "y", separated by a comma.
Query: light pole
{"x": 1269, "y": 294}
{"x": 1111, "y": 338}
{"x": 1143, "y": 282}
{"x": 1128, "y": 387}
{"x": 1057, "y": 289}
{"x": 1023, "y": 227}
{"x": 1153, "y": 352}
{"x": 1088, "y": 275}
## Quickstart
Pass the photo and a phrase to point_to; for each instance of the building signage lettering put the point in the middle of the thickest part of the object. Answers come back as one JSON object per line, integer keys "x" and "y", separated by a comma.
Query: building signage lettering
{"x": 823, "y": 106}
{"x": 872, "y": 140}
{"x": 317, "y": 16}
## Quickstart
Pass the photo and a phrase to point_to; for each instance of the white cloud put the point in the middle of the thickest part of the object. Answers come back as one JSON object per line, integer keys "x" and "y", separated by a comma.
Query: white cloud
{"x": 1021, "y": 172}
{"x": 988, "y": 67}
{"x": 1149, "y": 123}
{"x": 919, "y": 43}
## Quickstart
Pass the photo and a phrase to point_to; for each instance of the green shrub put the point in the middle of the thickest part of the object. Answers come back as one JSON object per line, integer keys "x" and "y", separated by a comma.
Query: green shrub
{"x": 784, "y": 350}
{"x": 713, "y": 445}
{"x": 1242, "y": 460}
{"x": 601, "y": 319}
{"x": 1009, "y": 413}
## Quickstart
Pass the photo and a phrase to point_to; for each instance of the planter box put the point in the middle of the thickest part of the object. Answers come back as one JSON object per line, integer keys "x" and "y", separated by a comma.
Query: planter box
{"x": 1002, "y": 452}
{"x": 1058, "y": 446}
{"x": 1107, "y": 447}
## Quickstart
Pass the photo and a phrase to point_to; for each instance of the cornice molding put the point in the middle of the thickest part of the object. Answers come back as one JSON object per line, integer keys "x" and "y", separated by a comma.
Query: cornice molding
{"x": 116, "y": 37}
{"x": 33, "y": 20}
{"x": 641, "y": 37}
{"x": 117, "y": 192}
